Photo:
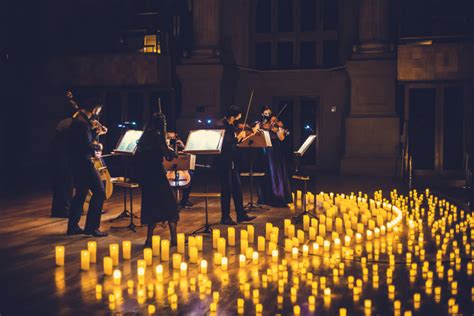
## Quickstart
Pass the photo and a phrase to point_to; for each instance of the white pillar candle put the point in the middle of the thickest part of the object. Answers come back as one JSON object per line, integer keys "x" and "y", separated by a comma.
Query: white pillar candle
{"x": 165, "y": 250}
{"x": 60, "y": 251}
{"x": 114, "y": 253}
{"x": 126, "y": 249}
{"x": 108, "y": 264}
{"x": 231, "y": 236}
{"x": 148, "y": 256}
{"x": 261, "y": 244}
{"x": 251, "y": 233}
{"x": 216, "y": 234}
{"x": 176, "y": 261}
{"x": 92, "y": 247}
{"x": 155, "y": 245}
{"x": 85, "y": 260}
{"x": 180, "y": 243}
{"x": 193, "y": 255}
{"x": 199, "y": 242}
{"x": 117, "y": 277}
{"x": 203, "y": 266}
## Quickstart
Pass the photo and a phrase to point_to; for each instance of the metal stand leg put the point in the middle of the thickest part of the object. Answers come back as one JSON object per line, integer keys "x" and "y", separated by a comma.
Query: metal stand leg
{"x": 130, "y": 226}
{"x": 206, "y": 229}
{"x": 251, "y": 206}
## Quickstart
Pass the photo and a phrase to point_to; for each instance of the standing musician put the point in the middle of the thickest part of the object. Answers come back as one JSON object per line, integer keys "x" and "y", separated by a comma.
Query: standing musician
{"x": 86, "y": 177}
{"x": 158, "y": 200}
{"x": 227, "y": 168}
{"x": 62, "y": 184}
{"x": 274, "y": 188}
{"x": 176, "y": 144}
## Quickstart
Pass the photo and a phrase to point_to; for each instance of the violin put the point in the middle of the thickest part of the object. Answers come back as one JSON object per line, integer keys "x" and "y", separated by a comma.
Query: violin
{"x": 274, "y": 125}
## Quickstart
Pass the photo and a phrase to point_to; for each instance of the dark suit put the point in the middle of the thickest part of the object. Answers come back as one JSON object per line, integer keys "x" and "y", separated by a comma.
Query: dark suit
{"x": 228, "y": 172}
{"x": 86, "y": 177}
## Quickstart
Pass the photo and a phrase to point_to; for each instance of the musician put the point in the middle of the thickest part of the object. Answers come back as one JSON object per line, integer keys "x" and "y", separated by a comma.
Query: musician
{"x": 158, "y": 201}
{"x": 61, "y": 180}
{"x": 174, "y": 142}
{"x": 274, "y": 188}
{"x": 86, "y": 177}
{"x": 227, "y": 168}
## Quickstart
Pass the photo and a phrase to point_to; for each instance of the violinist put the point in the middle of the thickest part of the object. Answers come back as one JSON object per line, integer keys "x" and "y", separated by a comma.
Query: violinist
{"x": 176, "y": 144}
{"x": 227, "y": 168}
{"x": 274, "y": 188}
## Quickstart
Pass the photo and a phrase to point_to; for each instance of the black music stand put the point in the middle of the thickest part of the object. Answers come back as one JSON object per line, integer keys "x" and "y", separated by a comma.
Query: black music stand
{"x": 303, "y": 178}
{"x": 127, "y": 146}
{"x": 259, "y": 140}
{"x": 204, "y": 142}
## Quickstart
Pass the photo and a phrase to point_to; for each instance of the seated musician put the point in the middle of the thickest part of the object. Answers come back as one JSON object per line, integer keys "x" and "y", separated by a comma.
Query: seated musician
{"x": 174, "y": 142}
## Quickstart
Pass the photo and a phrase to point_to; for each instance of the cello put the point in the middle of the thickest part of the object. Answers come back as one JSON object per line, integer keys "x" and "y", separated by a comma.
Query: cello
{"x": 178, "y": 178}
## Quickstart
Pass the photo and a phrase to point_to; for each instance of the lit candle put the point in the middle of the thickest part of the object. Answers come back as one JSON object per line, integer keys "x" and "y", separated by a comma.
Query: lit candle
{"x": 203, "y": 266}
{"x": 199, "y": 242}
{"x": 275, "y": 255}
{"x": 240, "y": 305}
{"x": 98, "y": 291}
{"x": 243, "y": 246}
{"x": 165, "y": 250}
{"x": 221, "y": 246}
{"x": 255, "y": 257}
{"x": 286, "y": 225}
{"x": 183, "y": 269}
{"x": 224, "y": 263}
{"x": 268, "y": 230}
{"x": 114, "y": 253}
{"x": 193, "y": 255}
{"x": 291, "y": 231}
{"x": 180, "y": 243}
{"x": 117, "y": 277}
{"x": 251, "y": 233}
{"x": 155, "y": 245}
{"x": 261, "y": 243}
{"x": 85, "y": 260}
{"x": 141, "y": 275}
{"x": 159, "y": 273}
{"x": 126, "y": 249}
{"x": 148, "y": 256}
{"x": 108, "y": 263}
{"x": 288, "y": 245}
{"x": 60, "y": 256}
{"x": 312, "y": 233}
{"x": 176, "y": 261}
{"x": 217, "y": 258}
{"x": 231, "y": 236}
{"x": 305, "y": 223}
{"x": 92, "y": 247}
{"x": 305, "y": 250}
{"x": 294, "y": 253}
{"x": 300, "y": 235}
{"x": 216, "y": 234}
{"x": 258, "y": 308}
{"x": 242, "y": 260}
{"x": 296, "y": 310}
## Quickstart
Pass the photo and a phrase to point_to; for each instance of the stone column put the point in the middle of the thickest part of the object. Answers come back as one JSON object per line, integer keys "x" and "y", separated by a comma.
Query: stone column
{"x": 373, "y": 26}
{"x": 206, "y": 28}
{"x": 372, "y": 128}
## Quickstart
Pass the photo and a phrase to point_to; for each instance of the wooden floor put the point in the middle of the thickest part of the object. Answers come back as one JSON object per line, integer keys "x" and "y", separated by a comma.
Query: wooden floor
{"x": 32, "y": 284}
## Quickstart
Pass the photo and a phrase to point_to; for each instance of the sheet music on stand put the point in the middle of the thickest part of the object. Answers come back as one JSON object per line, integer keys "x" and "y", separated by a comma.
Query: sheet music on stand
{"x": 127, "y": 144}
{"x": 304, "y": 147}
{"x": 204, "y": 142}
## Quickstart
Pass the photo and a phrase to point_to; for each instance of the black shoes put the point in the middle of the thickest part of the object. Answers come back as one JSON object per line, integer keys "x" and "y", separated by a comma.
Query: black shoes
{"x": 186, "y": 205}
{"x": 245, "y": 218}
{"x": 74, "y": 231}
{"x": 96, "y": 233}
{"x": 228, "y": 221}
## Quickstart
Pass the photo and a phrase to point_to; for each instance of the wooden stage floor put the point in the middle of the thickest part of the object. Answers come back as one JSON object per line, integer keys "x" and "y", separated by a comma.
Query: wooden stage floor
{"x": 32, "y": 284}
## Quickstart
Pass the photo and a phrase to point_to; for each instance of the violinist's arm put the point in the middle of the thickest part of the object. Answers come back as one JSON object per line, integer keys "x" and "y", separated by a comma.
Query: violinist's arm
{"x": 280, "y": 134}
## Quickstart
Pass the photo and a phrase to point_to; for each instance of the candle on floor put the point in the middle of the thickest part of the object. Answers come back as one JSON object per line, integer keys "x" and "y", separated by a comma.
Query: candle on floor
{"x": 193, "y": 255}
{"x": 180, "y": 243}
{"x": 141, "y": 275}
{"x": 286, "y": 225}
{"x": 114, "y": 254}
{"x": 85, "y": 260}
{"x": 221, "y": 246}
{"x": 259, "y": 308}
{"x": 60, "y": 250}
{"x": 231, "y": 236}
{"x": 98, "y": 291}
{"x": 199, "y": 242}
{"x": 242, "y": 260}
{"x": 216, "y": 234}
{"x": 275, "y": 256}
{"x": 243, "y": 246}
{"x": 255, "y": 258}
{"x": 183, "y": 269}
{"x": 176, "y": 261}
{"x": 305, "y": 223}
{"x": 217, "y": 258}
{"x": 155, "y": 245}
{"x": 159, "y": 273}
{"x": 203, "y": 266}
{"x": 108, "y": 264}
{"x": 148, "y": 256}
{"x": 92, "y": 247}
{"x": 268, "y": 230}
{"x": 251, "y": 233}
{"x": 126, "y": 249}
{"x": 224, "y": 263}
{"x": 165, "y": 250}
{"x": 261, "y": 243}
{"x": 294, "y": 253}
{"x": 117, "y": 277}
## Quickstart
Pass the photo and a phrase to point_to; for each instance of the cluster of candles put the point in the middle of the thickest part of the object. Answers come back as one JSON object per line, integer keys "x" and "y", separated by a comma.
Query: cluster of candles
{"x": 349, "y": 244}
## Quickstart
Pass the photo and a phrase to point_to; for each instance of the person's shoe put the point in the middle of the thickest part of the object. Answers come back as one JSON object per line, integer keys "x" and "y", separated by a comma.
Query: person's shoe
{"x": 245, "y": 218}
{"x": 74, "y": 231}
{"x": 228, "y": 221}
{"x": 186, "y": 204}
{"x": 96, "y": 233}
{"x": 104, "y": 212}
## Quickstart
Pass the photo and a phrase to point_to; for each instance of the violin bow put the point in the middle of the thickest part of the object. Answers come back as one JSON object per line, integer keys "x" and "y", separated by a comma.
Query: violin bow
{"x": 248, "y": 109}
{"x": 159, "y": 105}
{"x": 282, "y": 109}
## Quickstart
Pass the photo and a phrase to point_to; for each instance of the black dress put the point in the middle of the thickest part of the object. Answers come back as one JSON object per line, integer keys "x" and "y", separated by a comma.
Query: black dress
{"x": 158, "y": 200}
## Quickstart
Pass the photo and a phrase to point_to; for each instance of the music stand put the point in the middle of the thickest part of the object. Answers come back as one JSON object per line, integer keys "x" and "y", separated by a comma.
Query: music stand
{"x": 204, "y": 142}
{"x": 127, "y": 146}
{"x": 298, "y": 154}
{"x": 261, "y": 139}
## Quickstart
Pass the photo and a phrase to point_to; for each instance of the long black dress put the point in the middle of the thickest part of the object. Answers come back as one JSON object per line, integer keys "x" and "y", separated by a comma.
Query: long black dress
{"x": 158, "y": 201}
{"x": 274, "y": 188}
